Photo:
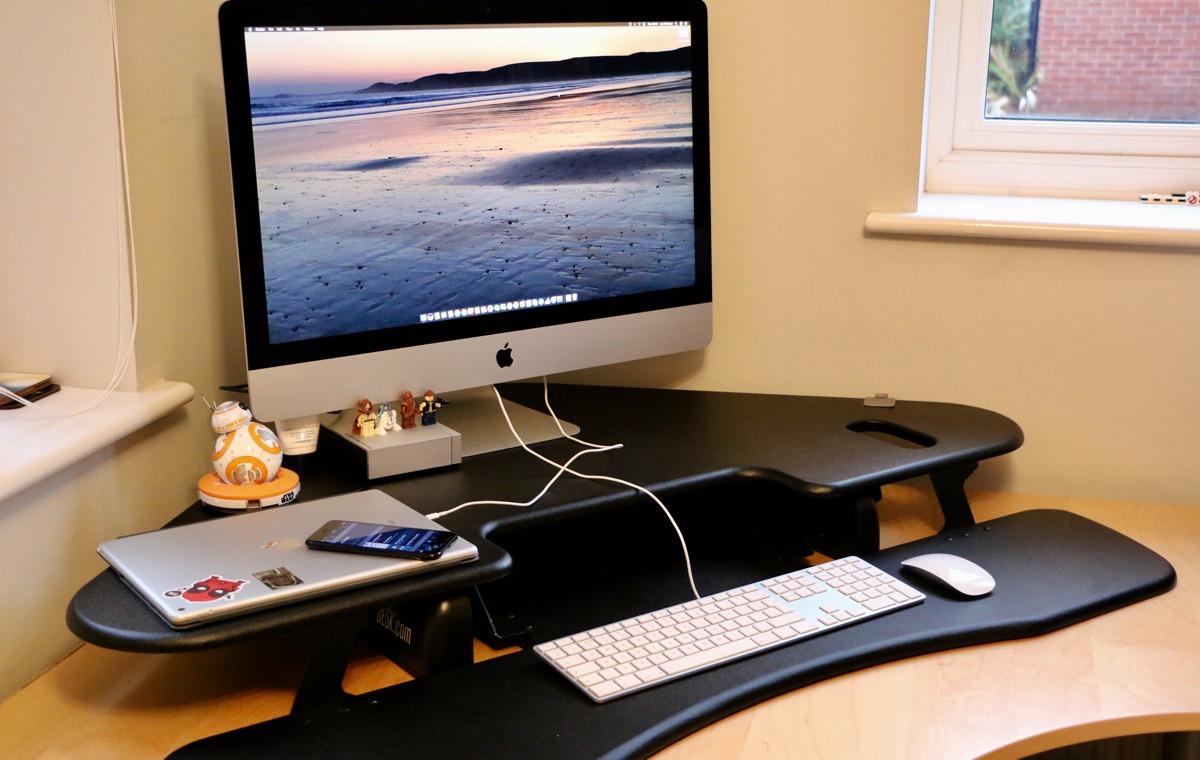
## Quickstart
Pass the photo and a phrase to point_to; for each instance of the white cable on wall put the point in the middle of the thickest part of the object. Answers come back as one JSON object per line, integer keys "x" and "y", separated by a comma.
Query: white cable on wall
{"x": 125, "y": 350}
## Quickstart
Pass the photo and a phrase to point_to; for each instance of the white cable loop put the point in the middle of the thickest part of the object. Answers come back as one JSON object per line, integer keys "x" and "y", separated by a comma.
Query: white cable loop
{"x": 566, "y": 468}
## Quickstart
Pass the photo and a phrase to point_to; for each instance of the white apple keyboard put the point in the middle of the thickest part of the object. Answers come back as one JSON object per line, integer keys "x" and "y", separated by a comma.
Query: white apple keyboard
{"x": 611, "y": 661}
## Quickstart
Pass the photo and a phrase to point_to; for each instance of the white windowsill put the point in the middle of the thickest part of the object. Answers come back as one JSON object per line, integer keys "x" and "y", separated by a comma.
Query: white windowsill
{"x": 37, "y": 445}
{"x": 1054, "y": 220}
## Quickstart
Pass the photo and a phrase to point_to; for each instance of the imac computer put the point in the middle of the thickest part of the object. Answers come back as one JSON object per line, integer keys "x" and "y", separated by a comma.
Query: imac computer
{"x": 446, "y": 194}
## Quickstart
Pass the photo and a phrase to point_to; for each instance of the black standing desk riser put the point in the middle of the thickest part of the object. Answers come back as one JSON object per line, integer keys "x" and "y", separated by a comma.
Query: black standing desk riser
{"x": 755, "y": 481}
{"x": 516, "y": 706}
{"x": 797, "y": 452}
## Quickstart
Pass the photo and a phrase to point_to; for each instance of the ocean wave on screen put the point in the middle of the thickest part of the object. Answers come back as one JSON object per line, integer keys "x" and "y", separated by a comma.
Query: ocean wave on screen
{"x": 584, "y": 165}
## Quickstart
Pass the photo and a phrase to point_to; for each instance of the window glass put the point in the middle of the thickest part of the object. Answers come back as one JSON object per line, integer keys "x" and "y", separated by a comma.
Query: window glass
{"x": 1070, "y": 98}
{"x": 1095, "y": 60}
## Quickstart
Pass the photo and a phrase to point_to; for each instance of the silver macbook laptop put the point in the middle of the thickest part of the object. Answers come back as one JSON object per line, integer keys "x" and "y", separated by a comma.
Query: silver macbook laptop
{"x": 213, "y": 570}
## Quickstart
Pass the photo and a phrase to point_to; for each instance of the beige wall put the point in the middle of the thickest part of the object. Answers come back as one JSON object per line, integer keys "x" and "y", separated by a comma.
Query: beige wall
{"x": 61, "y": 216}
{"x": 61, "y": 248}
{"x": 816, "y": 121}
{"x": 182, "y": 204}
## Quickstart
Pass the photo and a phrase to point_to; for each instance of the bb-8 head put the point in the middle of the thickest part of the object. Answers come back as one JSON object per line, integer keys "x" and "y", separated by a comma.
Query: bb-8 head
{"x": 246, "y": 451}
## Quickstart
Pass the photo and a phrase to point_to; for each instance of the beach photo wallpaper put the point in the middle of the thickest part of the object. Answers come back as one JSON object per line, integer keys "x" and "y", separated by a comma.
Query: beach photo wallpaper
{"x": 418, "y": 175}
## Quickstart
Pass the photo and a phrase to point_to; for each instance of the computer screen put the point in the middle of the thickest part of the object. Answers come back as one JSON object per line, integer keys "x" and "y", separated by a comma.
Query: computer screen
{"x": 445, "y": 195}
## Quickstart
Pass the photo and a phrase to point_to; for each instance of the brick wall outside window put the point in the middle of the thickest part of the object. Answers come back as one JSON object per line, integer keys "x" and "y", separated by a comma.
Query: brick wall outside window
{"x": 1131, "y": 60}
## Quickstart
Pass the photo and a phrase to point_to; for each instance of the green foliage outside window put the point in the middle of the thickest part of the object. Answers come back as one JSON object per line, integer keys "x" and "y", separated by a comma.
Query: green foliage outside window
{"x": 1012, "y": 59}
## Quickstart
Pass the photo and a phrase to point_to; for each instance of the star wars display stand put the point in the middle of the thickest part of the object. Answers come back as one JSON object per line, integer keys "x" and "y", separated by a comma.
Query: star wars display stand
{"x": 246, "y": 464}
{"x": 467, "y": 423}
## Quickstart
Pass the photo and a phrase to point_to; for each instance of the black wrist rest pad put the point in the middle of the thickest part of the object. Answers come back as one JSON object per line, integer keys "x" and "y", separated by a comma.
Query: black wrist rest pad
{"x": 1052, "y": 569}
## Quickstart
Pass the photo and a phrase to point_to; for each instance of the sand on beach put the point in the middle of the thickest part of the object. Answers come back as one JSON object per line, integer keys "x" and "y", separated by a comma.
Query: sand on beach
{"x": 372, "y": 222}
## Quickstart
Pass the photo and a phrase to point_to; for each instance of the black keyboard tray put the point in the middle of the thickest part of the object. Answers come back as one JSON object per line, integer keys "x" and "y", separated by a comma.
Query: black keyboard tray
{"x": 1052, "y": 569}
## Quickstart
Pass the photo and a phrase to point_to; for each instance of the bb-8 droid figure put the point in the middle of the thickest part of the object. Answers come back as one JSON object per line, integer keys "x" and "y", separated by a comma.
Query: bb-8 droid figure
{"x": 246, "y": 463}
{"x": 246, "y": 451}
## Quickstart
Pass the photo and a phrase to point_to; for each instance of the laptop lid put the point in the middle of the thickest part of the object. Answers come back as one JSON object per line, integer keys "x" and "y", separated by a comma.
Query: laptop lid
{"x": 221, "y": 568}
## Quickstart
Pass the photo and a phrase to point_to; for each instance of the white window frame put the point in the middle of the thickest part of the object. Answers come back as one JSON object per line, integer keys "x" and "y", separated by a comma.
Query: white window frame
{"x": 964, "y": 153}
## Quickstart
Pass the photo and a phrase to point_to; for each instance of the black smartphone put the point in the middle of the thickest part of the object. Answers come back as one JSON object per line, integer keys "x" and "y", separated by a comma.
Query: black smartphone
{"x": 385, "y": 540}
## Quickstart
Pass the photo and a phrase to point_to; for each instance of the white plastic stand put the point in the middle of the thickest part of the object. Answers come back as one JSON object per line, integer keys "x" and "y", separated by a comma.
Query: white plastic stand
{"x": 470, "y": 424}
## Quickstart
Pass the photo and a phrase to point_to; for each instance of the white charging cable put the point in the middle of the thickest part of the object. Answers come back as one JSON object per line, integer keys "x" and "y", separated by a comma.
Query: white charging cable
{"x": 125, "y": 352}
{"x": 566, "y": 468}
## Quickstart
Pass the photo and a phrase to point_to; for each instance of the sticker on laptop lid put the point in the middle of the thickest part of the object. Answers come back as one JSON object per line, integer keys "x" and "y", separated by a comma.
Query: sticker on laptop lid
{"x": 211, "y": 589}
{"x": 279, "y": 577}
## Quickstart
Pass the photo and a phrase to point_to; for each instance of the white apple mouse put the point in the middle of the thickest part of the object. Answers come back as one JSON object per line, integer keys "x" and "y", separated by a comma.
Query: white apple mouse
{"x": 957, "y": 573}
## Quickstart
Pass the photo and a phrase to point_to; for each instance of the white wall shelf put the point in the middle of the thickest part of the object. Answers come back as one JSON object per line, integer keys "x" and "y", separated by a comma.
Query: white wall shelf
{"x": 1051, "y": 220}
{"x": 39, "y": 441}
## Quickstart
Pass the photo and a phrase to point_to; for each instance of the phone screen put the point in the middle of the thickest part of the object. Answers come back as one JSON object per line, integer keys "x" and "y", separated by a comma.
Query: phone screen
{"x": 389, "y": 540}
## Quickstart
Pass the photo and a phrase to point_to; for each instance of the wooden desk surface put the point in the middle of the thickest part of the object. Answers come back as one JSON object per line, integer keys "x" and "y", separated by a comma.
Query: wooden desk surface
{"x": 1135, "y": 670}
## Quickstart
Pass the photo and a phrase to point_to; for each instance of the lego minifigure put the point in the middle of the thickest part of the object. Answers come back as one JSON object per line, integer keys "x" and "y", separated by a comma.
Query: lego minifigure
{"x": 387, "y": 419}
{"x": 408, "y": 411}
{"x": 366, "y": 423}
{"x": 429, "y": 407}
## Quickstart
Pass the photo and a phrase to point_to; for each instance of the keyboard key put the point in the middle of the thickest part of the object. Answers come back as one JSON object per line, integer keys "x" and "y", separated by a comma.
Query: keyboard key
{"x": 716, "y": 654}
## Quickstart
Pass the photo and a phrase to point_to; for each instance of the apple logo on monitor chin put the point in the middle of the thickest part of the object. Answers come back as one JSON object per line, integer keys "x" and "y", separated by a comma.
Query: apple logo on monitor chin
{"x": 504, "y": 357}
